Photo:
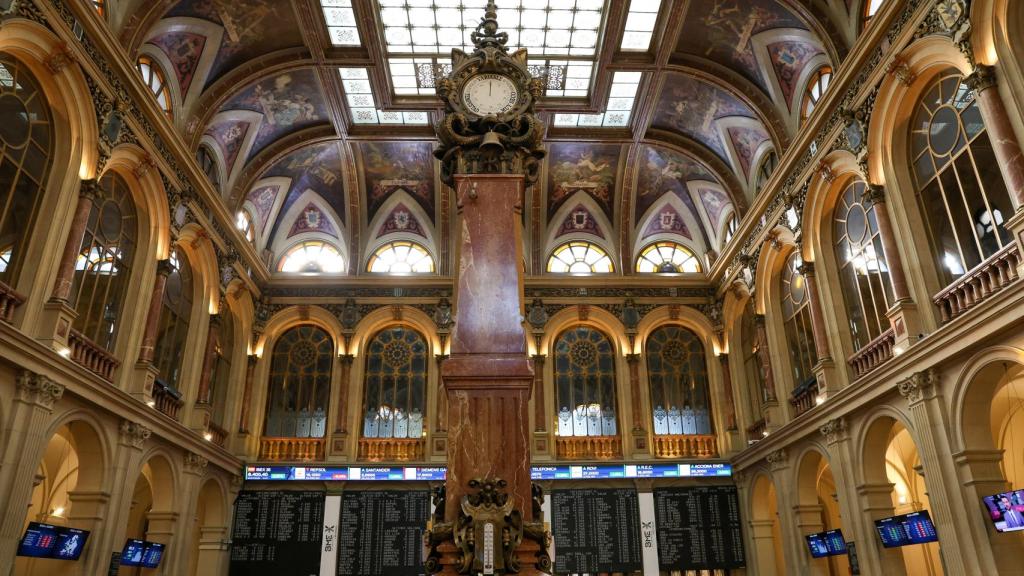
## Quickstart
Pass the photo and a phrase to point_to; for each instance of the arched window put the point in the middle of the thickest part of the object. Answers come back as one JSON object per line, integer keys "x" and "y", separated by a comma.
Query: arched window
{"x": 667, "y": 257}
{"x": 300, "y": 383}
{"x": 796, "y": 313}
{"x": 104, "y": 263}
{"x": 395, "y": 388}
{"x": 863, "y": 270}
{"x": 585, "y": 383}
{"x": 765, "y": 170}
{"x": 172, "y": 334}
{"x": 752, "y": 367}
{"x": 678, "y": 376}
{"x": 731, "y": 228}
{"x": 580, "y": 258}
{"x": 401, "y": 257}
{"x": 816, "y": 87}
{"x": 208, "y": 164}
{"x": 220, "y": 374}
{"x": 312, "y": 257}
{"x": 243, "y": 221}
{"x": 155, "y": 78}
{"x": 25, "y": 150}
{"x": 960, "y": 189}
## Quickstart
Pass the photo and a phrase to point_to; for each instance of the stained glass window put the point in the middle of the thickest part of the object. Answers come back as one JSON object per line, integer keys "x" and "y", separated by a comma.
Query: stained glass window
{"x": 959, "y": 186}
{"x": 172, "y": 334}
{"x": 816, "y": 87}
{"x": 401, "y": 257}
{"x": 25, "y": 150}
{"x": 312, "y": 257}
{"x": 863, "y": 270}
{"x": 156, "y": 80}
{"x": 300, "y": 383}
{"x": 395, "y": 385}
{"x": 796, "y": 314}
{"x": 678, "y": 377}
{"x": 104, "y": 264}
{"x": 580, "y": 258}
{"x": 667, "y": 257}
{"x": 585, "y": 383}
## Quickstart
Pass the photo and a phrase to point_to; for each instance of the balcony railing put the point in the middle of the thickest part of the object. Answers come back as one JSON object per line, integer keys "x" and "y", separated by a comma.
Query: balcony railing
{"x": 804, "y": 398}
{"x": 217, "y": 434}
{"x": 979, "y": 283}
{"x": 291, "y": 449}
{"x": 391, "y": 449}
{"x": 587, "y": 447}
{"x": 685, "y": 446}
{"x": 757, "y": 430}
{"x": 91, "y": 355}
{"x": 9, "y": 301}
{"x": 873, "y": 354}
{"x": 166, "y": 400}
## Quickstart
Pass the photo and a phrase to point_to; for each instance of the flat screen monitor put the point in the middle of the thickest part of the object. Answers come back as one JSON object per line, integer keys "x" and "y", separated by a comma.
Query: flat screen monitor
{"x": 824, "y": 544}
{"x": 131, "y": 555}
{"x": 38, "y": 541}
{"x": 906, "y": 529}
{"x": 70, "y": 543}
{"x": 1006, "y": 510}
{"x": 152, "y": 554}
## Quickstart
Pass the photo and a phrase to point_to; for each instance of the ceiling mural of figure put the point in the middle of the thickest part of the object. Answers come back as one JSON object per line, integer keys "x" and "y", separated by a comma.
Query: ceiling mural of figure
{"x": 317, "y": 168}
{"x": 392, "y": 166}
{"x": 575, "y": 167}
{"x": 789, "y": 59}
{"x": 183, "y": 50}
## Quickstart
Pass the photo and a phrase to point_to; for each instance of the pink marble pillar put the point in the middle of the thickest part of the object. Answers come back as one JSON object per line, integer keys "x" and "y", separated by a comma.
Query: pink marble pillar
{"x": 209, "y": 357}
{"x": 540, "y": 414}
{"x": 633, "y": 360}
{"x": 243, "y": 415}
{"x": 1004, "y": 141}
{"x": 345, "y": 382}
{"x": 88, "y": 192}
{"x": 764, "y": 358}
{"x": 817, "y": 319}
{"x": 730, "y": 404}
{"x": 876, "y": 195}
{"x": 149, "y": 336}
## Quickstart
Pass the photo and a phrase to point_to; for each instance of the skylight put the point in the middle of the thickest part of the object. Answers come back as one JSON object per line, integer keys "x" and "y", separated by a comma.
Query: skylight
{"x": 561, "y": 34}
{"x": 640, "y": 25}
{"x": 341, "y": 22}
{"x": 363, "y": 106}
{"x": 620, "y": 105}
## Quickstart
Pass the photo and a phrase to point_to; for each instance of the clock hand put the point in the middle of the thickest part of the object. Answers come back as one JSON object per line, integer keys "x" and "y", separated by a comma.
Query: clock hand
{"x": 490, "y": 87}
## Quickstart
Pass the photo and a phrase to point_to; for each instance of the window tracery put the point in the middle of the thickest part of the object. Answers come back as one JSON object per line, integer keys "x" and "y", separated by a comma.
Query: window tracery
{"x": 401, "y": 257}
{"x": 300, "y": 383}
{"x": 678, "y": 378}
{"x": 395, "y": 388}
{"x": 585, "y": 383}
{"x": 580, "y": 258}
{"x": 667, "y": 257}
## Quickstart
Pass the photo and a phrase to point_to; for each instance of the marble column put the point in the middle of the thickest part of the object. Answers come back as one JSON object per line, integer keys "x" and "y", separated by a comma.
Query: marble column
{"x": 87, "y": 193}
{"x": 540, "y": 413}
{"x": 243, "y": 414}
{"x": 209, "y": 357}
{"x": 345, "y": 362}
{"x": 765, "y": 359}
{"x": 730, "y": 403}
{"x": 25, "y": 440}
{"x": 149, "y": 336}
{"x": 1000, "y": 130}
{"x": 824, "y": 369}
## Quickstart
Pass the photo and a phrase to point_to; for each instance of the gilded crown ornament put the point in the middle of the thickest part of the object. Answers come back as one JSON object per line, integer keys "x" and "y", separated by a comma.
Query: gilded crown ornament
{"x": 489, "y": 126}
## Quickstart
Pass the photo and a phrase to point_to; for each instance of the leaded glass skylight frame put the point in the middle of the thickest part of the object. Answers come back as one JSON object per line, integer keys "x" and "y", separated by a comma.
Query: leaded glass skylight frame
{"x": 565, "y": 34}
{"x": 362, "y": 104}
{"x": 640, "y": 22}
{"x": 619, "y": 110}
{"x": 341, "y": 22}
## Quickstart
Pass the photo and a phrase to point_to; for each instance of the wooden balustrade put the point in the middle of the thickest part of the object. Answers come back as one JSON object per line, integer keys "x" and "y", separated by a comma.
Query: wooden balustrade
{"x": 587, "y": 447}
{"x": 91, "y": 355}
{"x": 391, "y": 449}
{"x": 873, "y": 354}
{"x": 757, "y": 430}
{"x": 166, "y": 401}
{"x": 217, "y": 434}
{"x": 291, "y": 449}
{"x": 979, "y": 283}
{"x": 9, "y": 301}
{"x": 804, "y": 398}
{"x": 685, "y": 446}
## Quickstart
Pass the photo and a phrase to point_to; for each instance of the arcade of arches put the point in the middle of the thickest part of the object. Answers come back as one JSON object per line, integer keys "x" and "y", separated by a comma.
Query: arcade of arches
{"x": 780, "y": 235}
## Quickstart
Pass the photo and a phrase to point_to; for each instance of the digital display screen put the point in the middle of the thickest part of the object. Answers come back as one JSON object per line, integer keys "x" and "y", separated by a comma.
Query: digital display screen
{"x": 39, "y": 540}
{"x": 558, "y": 472}
{"x": 913, "y": 528}
{"x": 131, "y": 555}
{"x": 152, "y": 554}
{"x": 70, "y": 543}
{"x": 1006, "y": 510}
{"x": 824, "y": 544}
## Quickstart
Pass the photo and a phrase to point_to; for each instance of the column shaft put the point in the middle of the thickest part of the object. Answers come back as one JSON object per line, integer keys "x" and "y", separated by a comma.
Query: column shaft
{"x": 997, "y": 122}
{"x": 149, "y": 336}
{"x": 730, "y": 403}
{"x": 540, "y": 414}
{"x": 73, "y": 244}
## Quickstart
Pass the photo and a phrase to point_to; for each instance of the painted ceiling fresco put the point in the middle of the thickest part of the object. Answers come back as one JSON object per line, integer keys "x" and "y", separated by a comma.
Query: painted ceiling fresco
{"x": 579, "y": 220}
{"x": 582, "y": 166}
{"x": 388, "y": 167}
{"x": 723, "y": 30}
{"x": 289, "y": 102}
{"x": 252, "y": 28}
{"x": 317, "y": 168}
{"x": 183, "y": 49}
{"x": 229, "y": 136}
{"x": 401, "y": 220}
{"x": 789, "y": 59}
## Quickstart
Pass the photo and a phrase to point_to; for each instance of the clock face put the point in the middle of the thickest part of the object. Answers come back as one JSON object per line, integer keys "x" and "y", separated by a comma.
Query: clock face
{"x": 487, "y": 94}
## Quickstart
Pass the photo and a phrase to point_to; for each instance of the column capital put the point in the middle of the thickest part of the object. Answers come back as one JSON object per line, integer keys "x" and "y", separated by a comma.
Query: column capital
{"x": 37, "y": 389}
{"x": 918, "y": 385}
{"x": 164, "y": 267}
{"x": 834, "y": 430}
{"x": 90, "y": 189}
{"x": 874, "y": 193}
{"x": 252, "y": 359}
{"x": 632, "y": 358}
{"x": 806, "y": 269}
{"x": 345, "y": 359}
{"x": 195, "y": 464}
{"x": 723, "y": 358}
{"x": 777, "y": 460}
{"x": 134, "y": 434}
{"x": 539, "y": 358}
{"x": 983, "y": 78}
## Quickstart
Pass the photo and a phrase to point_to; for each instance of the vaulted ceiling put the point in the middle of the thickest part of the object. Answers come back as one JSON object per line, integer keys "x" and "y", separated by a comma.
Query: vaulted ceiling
{"x": 660, "y": 113}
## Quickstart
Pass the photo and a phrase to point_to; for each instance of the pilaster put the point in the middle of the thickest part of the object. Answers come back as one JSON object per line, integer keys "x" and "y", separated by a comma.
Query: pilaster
{"x": 778, "y": 463}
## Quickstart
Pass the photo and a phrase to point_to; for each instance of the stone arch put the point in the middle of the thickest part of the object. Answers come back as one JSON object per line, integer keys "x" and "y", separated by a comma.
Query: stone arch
{"x": 815, "y": 511}
{"x": 766, "y": 530}
{"x": 387, "y": 316}
{"x": 210, "y": 525}
{"x": 293, "y": 316}
{"x": 591, "y": 316}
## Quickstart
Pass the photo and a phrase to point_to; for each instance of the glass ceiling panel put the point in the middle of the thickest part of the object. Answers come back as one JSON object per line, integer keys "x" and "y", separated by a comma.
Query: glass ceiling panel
{"x": 427, "y": 30}
{"x": 621, "y": 98}
{"x": 363, "y": 107}
{"x": 640, "y": 24}
{"x": 341, "y": 22}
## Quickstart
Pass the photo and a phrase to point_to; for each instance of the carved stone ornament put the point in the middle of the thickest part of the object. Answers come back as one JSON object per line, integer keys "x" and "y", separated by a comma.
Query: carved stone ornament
{"x": 487, "y": 532}
{"x": 854, "y": 131}
{"x": 195, "y": 463}
{"x": 983, "y": 78}
{"x": 537, "y": 315}
{"x": 349, "y": 316}
{"x": 919, "y": 383}
{"x": 499, "y": 139}
{"x": 37, "y": 389}
{"x": 833, "y": 430}
{"x": 777, "y": 460}
{"x": 951, "y": 13}
{"x": 134, "y": 433}
{"x": 443, "y": 314}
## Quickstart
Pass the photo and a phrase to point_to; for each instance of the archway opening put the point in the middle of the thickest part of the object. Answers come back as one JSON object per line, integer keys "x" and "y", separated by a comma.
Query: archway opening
{"x": 209, "y": 533}
{"x": 817, "y": 510}
{"x": 765, "y": 529}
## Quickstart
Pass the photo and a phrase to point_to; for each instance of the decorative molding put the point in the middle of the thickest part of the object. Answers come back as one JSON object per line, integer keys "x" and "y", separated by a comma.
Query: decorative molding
{"x": 134, "y": 434}
{"x": 834, "y": 430}
{"x": 777, "y": 460}
{"x": 194, "y": 463}
{"x": 983, "y": 78}
{"x": 37, "y": 389}
{"x": 918, "y": 385}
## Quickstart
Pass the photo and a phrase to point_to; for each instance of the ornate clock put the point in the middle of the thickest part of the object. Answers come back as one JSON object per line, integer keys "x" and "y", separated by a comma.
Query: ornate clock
{"x": 489, "y": 126}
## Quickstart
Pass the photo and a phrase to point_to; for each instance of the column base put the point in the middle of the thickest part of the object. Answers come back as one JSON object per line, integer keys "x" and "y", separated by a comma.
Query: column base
{"x": 1016, "y": 227}
{"x": 825, "y": 373}
{"x": 906, "y": 324}
{"x": 55, "y": 324}
{"x": 541, "y": 445}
